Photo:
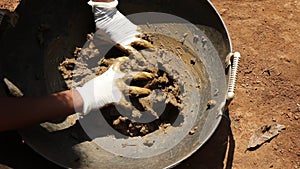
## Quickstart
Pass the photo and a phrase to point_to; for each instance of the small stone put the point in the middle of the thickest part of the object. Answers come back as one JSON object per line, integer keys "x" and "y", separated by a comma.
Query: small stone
{"x": 77, "y": 51}
{"x": 193, "y": 61}
{"x": 116, "y": 122}
{"x": 149, "y": 143}
{"x": 211, "y": 104}
{"x": 144, "y": 130}
{"x": 13, "y": 89}
{"x": 193, "y": 131}
{"x": 123, "y": 119}
{"x": 90, "y": 36}
{"x": 166, "y": 125}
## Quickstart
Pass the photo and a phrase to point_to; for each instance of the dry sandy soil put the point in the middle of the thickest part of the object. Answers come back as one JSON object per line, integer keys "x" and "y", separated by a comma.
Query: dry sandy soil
{"x": 267, "y": 34}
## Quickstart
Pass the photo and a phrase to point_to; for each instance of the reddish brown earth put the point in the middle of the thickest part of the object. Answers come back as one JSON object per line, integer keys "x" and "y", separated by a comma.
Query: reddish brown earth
{"x": 267, "y": 34}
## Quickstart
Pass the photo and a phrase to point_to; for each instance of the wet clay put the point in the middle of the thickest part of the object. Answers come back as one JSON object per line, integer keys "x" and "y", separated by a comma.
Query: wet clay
{"x": 167, "y": 78}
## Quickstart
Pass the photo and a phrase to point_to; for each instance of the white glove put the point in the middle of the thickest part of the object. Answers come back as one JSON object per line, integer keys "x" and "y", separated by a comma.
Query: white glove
{"x": 113, "y": 25}
{"x": 101, "y": 90}
{"x": 110, "y": 87}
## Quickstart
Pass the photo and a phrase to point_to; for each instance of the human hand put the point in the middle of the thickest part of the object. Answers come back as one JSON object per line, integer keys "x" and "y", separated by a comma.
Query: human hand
{"x": 111, "y": 87}
{"x": 113, "y": 25}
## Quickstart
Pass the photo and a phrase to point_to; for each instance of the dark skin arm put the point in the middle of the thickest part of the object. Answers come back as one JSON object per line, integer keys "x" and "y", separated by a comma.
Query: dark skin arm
{"x": 20, "y": 112}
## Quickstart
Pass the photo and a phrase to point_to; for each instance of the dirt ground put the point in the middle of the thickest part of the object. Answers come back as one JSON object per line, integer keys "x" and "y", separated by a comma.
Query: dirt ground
{"x": 267, "y": 34}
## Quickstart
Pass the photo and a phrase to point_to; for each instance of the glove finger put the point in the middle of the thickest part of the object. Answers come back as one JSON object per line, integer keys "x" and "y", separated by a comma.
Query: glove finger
{"x": 141, "y": 76}
{"x": 138, "y": 78}
{"x": 138, "y": 91}
{"x": 131, "y": 48}
{"x": 121, "y": 59}
{"x": 142, "y": 43}
{"x": 118, "y": 62}
{"x": 126, "y": 49}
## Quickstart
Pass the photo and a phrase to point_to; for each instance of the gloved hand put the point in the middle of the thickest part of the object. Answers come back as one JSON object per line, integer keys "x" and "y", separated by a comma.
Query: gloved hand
{"x": 110, "y": 87}
{"x": 113, "y": 25}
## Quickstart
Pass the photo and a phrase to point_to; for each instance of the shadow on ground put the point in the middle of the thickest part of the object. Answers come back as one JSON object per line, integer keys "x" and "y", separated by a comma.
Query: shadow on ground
{"x": 217, "y": 152}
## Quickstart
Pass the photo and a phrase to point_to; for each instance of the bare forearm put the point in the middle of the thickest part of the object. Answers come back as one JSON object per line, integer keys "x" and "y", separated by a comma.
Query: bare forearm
{"x": 20, "y": 112}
